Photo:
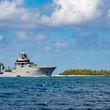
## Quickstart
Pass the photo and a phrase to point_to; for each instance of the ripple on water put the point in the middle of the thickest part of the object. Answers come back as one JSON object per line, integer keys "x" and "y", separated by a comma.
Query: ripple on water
{"x": 77, "y": 93}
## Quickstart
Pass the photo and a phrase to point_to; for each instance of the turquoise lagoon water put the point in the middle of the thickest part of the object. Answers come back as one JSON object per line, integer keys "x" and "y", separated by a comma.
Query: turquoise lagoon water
{"x": 75, "y": 93}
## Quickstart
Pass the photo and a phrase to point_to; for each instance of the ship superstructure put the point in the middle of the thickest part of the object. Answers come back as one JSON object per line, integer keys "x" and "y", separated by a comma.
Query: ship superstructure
{"x": 25, "y": 68}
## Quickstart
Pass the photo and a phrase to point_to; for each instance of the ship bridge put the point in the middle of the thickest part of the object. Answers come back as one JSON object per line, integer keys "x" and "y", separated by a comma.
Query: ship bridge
{"x": 23, "y": 59}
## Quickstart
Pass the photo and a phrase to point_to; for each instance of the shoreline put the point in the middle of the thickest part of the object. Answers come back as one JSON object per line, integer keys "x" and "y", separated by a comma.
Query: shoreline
{"x": 80, "y": 76}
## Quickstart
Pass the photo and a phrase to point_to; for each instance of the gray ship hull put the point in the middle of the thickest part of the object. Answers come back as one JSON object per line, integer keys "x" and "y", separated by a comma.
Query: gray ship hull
{"x": 40, "y": 72}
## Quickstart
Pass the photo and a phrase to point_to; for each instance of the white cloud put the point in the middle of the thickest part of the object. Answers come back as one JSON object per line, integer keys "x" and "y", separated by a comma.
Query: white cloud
{"x": 22, "y": 35}
{"x": 61, "y": 44}
{"x": 9, "y": 10}
{"x": 19, "y": 2}
{"x": 40, "y": 37}
{"x": 73, "y": 12}
{"x": 13, "y": 14}
{"x": 1, "y": 38}
{"x": 30, "y": 35}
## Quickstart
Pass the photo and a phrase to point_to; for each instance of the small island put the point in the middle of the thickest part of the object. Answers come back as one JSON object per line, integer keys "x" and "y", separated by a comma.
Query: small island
{"x": 85, "y": 72}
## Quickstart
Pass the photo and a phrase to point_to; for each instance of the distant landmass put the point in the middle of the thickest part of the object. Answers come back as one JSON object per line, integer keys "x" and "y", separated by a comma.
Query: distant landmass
{"x": 86, "y": 72}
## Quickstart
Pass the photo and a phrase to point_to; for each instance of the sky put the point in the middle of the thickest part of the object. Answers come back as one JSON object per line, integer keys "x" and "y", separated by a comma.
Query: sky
{"x": 69, "y": 34}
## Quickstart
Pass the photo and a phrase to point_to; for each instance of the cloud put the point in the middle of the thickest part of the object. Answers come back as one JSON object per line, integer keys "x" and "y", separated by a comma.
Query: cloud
{"x": 22, "y": 35}
{"x": 69, "y": 12}
{"x": 56, "y": 46}
{"x": 5, "y": 40}
{"x": 29, "y": 36}
{"x": 40, "y": 37}
{"x": 9, "y": 10}
{"x": 1, "y": 38}
{"x": 87, "y": 40}
{"x": 19, "y": 2}
{"x": 61, "y": 44}
{"x": 13, "y": 14}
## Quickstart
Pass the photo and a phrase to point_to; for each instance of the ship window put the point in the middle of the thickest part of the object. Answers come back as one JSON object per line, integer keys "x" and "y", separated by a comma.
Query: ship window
{"x": 30, "y": 65}
{"x": 22, "y": 66}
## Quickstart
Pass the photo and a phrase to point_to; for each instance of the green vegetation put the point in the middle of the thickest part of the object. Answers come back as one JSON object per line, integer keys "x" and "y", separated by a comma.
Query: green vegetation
{"x": 86, "y": 72}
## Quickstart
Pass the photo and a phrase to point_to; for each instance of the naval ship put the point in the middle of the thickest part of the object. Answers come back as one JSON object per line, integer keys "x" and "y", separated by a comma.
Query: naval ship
{"x": 25, "y": 68}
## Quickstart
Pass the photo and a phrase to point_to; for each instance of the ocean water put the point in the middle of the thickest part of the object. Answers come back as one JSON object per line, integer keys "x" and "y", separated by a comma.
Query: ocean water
{"x": 75, "y": 93}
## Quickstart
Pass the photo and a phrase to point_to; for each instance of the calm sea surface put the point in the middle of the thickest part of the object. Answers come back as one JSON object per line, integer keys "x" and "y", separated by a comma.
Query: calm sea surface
{"x": 78, "y": 93}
